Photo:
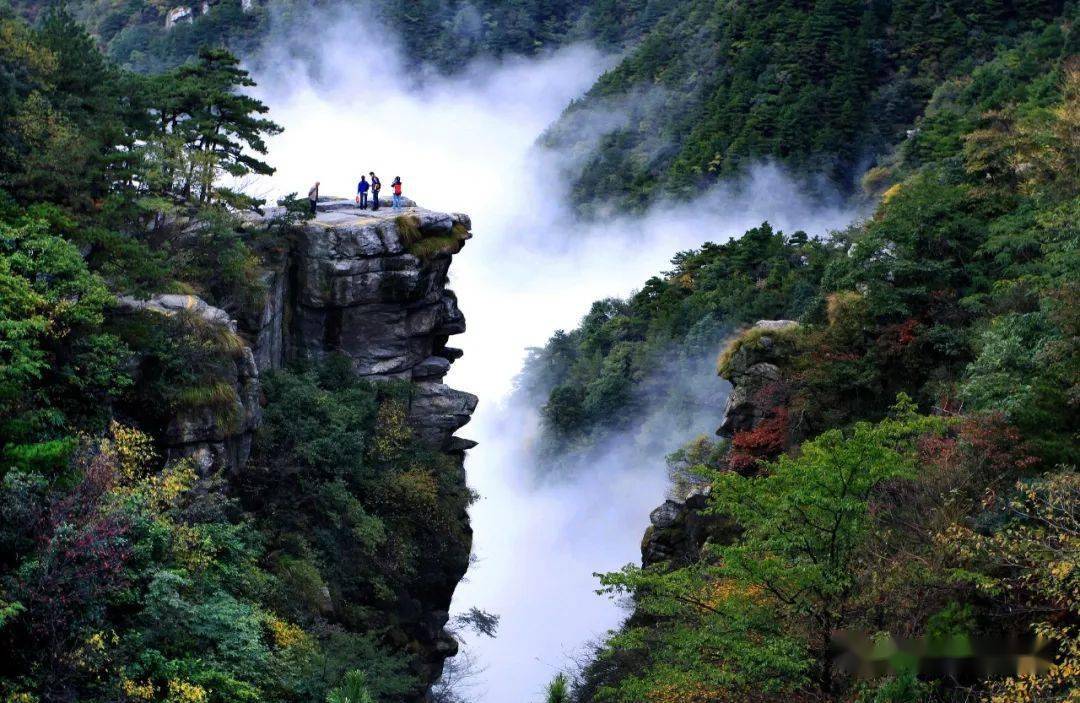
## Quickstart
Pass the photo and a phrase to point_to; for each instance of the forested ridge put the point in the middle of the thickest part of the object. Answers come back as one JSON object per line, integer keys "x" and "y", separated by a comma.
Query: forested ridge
{"x": 700, "y": 90}
{"x": 127, "y": 572}
{"x": 822, "y": 87}
{"x": 898, "y": 461}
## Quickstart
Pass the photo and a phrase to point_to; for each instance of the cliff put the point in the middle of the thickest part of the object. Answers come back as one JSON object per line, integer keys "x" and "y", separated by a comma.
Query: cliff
{"x": 754, "y": 421}
{"x": 372, "y": 287}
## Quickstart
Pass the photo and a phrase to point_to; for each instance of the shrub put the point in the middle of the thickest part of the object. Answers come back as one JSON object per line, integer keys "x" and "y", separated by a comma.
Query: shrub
{"x": 766, "y": 441}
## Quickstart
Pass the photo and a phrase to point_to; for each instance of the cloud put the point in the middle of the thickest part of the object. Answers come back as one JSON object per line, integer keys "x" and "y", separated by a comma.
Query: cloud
{"x": 467, "y": 143}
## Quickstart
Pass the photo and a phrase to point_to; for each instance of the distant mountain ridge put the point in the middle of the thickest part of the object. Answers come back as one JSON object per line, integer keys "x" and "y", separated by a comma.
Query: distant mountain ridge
{"x": 703, "y": 88}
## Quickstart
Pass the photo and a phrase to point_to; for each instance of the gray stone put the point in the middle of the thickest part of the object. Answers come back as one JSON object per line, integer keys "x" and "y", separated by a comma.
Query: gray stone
{"x": 433, "y": 367}
{"x": 267, "y": 322}
{"x": 775, "y": 324}
{"x": 666, "y": 515}
{"x": 437, "y": 411}
{"x": 345, "y": 282}
{"x": 462, "y": 219}
{"x": 434, "y": 224}
{"x": 171, "y": 304}
{"x": 459, "y": 444}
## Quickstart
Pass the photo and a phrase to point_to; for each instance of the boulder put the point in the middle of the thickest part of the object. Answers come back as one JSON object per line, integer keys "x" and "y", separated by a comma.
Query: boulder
{"x": 437, "y": 411}
{"x": 666, "y": 514}
{"x": 170, "y": 304}
{"x": 433, "y": 367}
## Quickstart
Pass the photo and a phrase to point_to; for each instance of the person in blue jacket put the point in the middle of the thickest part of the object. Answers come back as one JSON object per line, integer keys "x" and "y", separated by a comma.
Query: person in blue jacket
{"x": 361, "y": 192}
{"x": 376, "y": 186}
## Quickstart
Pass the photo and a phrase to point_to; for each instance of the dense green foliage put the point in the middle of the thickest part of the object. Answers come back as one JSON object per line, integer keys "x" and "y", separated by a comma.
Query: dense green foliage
{"x": 907, "y": 434}
{"x": 108, "y": 188}
{"x": 629, "y": 356}
{"x": 125, "y": 574}
{"x": 962, "y": 273}
{"x": 823, "y": 87}
{"x": 126, "y": 579}
{"x": 865, "y": 531}
{"x": 454, "y": 31}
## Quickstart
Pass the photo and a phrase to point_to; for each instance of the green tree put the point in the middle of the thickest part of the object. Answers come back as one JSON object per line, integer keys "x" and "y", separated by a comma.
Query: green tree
{"x": 204, "y": 126}
{"x": 57, "y": 368}
{"x": 558, "y": 690}
{"x": 758, "y": 614}
{"x": 353, "y": 689}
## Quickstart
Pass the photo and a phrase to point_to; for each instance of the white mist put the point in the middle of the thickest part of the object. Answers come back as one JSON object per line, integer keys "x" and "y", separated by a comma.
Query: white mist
{"x": 466, "y": 144}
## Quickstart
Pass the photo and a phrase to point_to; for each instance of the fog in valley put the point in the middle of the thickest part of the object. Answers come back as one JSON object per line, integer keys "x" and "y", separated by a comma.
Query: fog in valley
{"x": 466, "y": 144}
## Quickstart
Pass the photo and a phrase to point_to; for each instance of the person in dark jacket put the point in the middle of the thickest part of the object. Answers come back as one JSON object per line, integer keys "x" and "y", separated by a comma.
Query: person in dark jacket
{"x": 376, "y": 186}
{"x": 361, "y": 192}
{"x": 396, "y": 185}
{"x": 313, "y": 197}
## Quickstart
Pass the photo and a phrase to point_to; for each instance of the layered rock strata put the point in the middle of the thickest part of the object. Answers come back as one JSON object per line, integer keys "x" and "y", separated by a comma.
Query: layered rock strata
{"x": 371, "y": 286}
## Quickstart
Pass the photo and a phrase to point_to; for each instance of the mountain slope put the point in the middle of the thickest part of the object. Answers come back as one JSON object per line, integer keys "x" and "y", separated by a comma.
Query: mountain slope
{"x": 227, "y": 463}
{"x": 897, "y": 461}
{"x": 824, "y": 87}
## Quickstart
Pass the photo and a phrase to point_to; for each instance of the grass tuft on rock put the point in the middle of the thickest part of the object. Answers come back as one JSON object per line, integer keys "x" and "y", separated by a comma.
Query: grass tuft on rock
{"x": 408, "y": 227}
{"x": 750, "y": 338}
{"x": 427, "y": 248}
{"x": 431, "y": 247}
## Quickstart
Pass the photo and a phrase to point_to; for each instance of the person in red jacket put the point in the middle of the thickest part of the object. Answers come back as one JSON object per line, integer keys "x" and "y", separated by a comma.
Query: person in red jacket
{"x": 397, "y": 192}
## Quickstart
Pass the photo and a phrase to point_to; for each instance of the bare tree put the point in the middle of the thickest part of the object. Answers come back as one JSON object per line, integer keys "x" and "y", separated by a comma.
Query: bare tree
{"x": 459, "y": 678}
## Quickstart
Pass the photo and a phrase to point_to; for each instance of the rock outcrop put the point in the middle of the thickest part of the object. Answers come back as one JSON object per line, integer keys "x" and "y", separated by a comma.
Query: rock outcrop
{"x": 753, "y": 364}
{"x": 354, "y": 286}
{"x": 679, "y": 529}
{"x": 752, "y": 368}
{"x": 371, "y": 286}
{"x": 216, "y": 438}
{"x": 350, "y": 284}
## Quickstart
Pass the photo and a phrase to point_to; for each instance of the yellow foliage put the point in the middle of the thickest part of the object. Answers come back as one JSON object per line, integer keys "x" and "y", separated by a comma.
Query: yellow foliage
{"x": 419, "y": 485}
{"x": 139, "y": 691}
{"x": 184, "y": 692}
{"x": 192, "y": 548}
{"x": 286, "y": 634}
{"x": 891, "y": 192}
{"x": 21, "y": 697}
{"x": 715, "y": 593}
{"x": 96, "y": 642}
{"x": 134, "y": 451}
{"x": 684, "y": 281}
{"x": 392, "y": 431}
{"x": 841, "y": 307}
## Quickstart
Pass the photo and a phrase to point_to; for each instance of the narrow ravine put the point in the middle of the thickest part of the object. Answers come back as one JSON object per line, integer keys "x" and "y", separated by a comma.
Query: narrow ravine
{"x": 467, "y": 144}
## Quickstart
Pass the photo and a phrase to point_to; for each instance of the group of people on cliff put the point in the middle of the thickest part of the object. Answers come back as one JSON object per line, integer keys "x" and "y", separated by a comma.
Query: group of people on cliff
{"x": 363, "y": 189}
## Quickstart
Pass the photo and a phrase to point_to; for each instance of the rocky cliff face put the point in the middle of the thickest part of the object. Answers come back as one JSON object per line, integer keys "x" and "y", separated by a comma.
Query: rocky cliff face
{"x": 355, "y": 287}
{"x": 753, "y": 370}
{"x": 679, "y": 528}
{"x": 350, "y": 284}
{"x": 373, "y": 287}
